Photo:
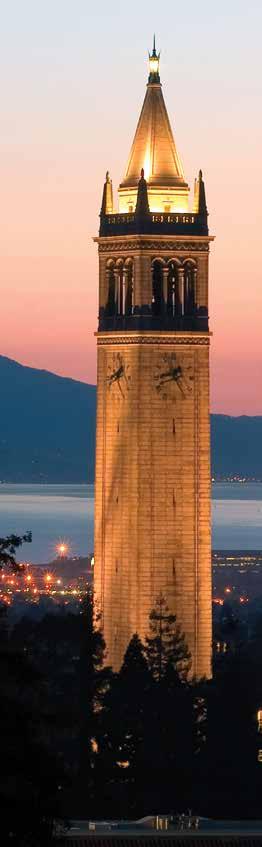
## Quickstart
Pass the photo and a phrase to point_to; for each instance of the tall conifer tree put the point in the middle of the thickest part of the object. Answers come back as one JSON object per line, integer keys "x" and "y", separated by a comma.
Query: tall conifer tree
{"x": 166, "y": 649}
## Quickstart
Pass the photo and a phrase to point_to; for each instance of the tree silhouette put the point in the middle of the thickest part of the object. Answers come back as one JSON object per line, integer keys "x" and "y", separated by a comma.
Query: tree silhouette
{"x": 8, "y": 548}
{"x": 166, "y": 648}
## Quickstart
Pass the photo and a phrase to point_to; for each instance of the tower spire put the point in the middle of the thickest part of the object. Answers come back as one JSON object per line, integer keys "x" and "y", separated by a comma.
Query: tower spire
{"x": 154, "y": 58}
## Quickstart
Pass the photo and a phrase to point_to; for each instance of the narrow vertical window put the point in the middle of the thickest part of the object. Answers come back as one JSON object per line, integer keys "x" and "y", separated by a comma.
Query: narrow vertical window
{"x": 121, "y": 291}
{"x": 111, "y": 302}
{"x": 129, "y": 290}
{"x": 157, "y": 288}
{"x": 172, "y": 290}
{"x": 259, "y": 720}
{"x": 189, "y": 293}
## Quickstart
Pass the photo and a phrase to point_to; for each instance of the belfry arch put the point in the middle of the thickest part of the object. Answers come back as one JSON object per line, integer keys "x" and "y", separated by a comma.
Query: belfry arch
{"x": 157, "y": 286}
{"x": 190, "y": 286}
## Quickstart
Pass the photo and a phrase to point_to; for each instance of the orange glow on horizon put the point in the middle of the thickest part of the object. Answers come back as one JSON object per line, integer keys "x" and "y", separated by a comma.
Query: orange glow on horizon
{"x": 51, "y": 197}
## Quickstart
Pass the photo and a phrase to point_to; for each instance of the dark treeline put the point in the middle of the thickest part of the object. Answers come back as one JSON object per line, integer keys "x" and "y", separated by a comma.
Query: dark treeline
{"x": 79, "y": 740}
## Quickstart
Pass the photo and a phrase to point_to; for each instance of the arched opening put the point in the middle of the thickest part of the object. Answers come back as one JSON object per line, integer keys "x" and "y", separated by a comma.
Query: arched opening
{"x": 119, "y": 289}
{"x": 128, "y": 271}
{"x": 111, "y": 299}
{"x": 172, "y": 289}
{"x": 189, "y": 288}
{"x": 157, "y": 287}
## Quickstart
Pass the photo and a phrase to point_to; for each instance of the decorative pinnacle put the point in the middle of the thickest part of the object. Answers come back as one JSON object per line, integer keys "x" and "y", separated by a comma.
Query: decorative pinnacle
{"x": 107, "y": 199}
{"x": 200, "y": 206}
{"x": 142, "y": 205}
{"x": 154, "y": 64}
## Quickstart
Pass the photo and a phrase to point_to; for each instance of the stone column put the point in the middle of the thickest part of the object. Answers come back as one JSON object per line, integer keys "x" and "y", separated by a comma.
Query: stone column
{"x": 195, "y": 287}
{"x": 106, "y": 292}
{"x": 181, "y": 282}
{"x": 117, "y": 291}
{"x": 165, "y": 276}
{"x": 102, "y": 281}
{"x": 124, "y": 281}
{"x": 132, "y": 290}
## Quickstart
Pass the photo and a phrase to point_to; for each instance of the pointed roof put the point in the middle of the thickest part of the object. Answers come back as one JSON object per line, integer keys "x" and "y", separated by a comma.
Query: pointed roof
{"x": 107, "y": 199}
{"x": 154, "y": 147}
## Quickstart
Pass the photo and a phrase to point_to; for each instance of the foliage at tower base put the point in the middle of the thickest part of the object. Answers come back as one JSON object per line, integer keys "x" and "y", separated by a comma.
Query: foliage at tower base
{"x": 228, "y": 771}
{"x": 30, "y": 773}
{"x": 81, "y": 741}
{"x": 92, "y": 679}
{"x": 167, "y": 743}
{"x": 70, "y": 652}
{"x": 148, "y": 726}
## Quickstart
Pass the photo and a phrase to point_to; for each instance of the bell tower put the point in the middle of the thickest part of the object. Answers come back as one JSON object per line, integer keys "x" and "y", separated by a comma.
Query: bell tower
{"x": 152, "y": 501}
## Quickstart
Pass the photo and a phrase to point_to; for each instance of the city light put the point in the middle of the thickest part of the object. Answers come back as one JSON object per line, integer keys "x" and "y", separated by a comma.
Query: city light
{"x": 62, "y": 548}
{"x": 48, "y": 578}
{"x": 28, "y": 578}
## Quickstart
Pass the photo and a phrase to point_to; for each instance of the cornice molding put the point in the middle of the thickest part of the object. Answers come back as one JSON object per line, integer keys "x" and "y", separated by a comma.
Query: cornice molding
{"x": 161, "y": 338}
{"x": 158, "y": 246}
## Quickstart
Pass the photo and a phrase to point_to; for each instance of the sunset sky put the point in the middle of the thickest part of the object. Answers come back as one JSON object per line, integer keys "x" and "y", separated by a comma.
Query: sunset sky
{"x": 73, "y": 76}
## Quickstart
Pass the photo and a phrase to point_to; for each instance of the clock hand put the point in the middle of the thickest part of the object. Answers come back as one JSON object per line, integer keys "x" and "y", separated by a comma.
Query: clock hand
{"x": 173, "y": 373}
{"x": 120, "y": 388}
{"x": 180, "y": 387}
{"x": 166, "y": 377}
{"x": 163, "y": 375}
{"x": 116, "y": 375}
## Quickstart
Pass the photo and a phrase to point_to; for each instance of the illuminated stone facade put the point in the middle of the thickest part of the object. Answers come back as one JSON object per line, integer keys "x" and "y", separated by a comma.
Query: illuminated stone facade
{"x": 152, "y": 504}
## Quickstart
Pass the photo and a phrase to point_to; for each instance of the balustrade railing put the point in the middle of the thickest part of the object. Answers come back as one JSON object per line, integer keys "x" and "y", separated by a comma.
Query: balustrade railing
{"x": 154, "y": 222}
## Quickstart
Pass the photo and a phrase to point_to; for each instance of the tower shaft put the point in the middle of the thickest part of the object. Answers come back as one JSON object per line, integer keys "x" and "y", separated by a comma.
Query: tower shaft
{"x": 153, "y": 492}
{"x": 152, "y": 503}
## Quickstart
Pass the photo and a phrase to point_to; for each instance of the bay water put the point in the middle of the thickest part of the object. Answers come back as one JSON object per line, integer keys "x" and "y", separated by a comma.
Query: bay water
{"x": 56, "y": 513}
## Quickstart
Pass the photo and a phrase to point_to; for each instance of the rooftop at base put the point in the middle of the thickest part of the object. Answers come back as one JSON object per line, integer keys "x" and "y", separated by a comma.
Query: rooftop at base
{"x": 145, "y": 832}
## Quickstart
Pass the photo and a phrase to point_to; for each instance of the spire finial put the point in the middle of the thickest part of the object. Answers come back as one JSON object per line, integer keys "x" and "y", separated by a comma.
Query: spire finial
{"x": 200, "y": 206}
{"x": 107, "y": 199}
{"x": 142, "y": 205}
{"x": 154, "y": 64}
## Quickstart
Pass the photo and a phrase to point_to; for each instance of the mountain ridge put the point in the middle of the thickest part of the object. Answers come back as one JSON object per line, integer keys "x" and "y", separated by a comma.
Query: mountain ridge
{"x": 47, "y": 430}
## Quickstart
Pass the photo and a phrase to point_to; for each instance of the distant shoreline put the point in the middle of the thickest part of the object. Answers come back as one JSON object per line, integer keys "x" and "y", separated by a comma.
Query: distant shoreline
{"x": 214, "y": 481}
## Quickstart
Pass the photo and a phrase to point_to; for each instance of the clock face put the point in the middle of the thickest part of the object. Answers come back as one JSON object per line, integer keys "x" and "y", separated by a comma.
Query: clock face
{"x": 172, "y": 378}
{"x": 118, "y": 376}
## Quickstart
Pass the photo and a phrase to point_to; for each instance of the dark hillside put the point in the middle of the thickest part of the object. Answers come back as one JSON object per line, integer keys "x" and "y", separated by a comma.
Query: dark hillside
{"x": 47, "y": 426}
{"x": 47, "y": 431}
{"x": 236, "y": 446}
